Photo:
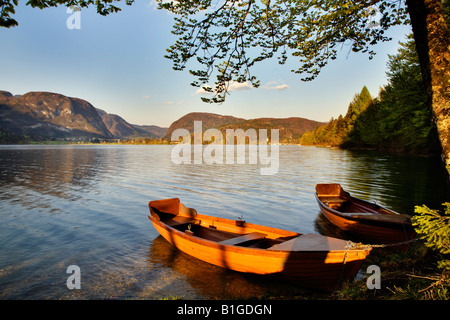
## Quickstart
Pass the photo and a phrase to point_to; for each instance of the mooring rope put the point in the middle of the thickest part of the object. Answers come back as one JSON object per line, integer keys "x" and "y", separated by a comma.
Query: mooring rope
{"x": 352, "y": 245}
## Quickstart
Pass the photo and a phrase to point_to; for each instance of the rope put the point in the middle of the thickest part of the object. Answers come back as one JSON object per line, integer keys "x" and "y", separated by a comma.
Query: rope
{"x": 347, "y": 247}
{"x": 351, "y": 245}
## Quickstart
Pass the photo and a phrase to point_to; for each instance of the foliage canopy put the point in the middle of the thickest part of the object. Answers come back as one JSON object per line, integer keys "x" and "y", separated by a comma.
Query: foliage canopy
{"x": 228, "y": 37}
{"x": 7, "y": 7}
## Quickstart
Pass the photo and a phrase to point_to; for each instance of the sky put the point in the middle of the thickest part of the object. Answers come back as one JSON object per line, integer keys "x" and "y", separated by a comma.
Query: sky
{"x": 117, "y": 63}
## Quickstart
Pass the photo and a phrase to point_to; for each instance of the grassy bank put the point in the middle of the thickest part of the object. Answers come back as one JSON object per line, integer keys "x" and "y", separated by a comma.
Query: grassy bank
{"x": 411, "y": 275}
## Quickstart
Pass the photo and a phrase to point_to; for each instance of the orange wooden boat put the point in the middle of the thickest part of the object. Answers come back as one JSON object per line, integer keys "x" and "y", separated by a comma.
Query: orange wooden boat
{"x": 310, "y": 260}
{"x": 364, "y": 219}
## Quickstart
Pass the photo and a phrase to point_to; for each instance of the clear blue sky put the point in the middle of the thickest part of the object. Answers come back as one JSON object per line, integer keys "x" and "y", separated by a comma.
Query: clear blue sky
{"x": 116, "y": 63}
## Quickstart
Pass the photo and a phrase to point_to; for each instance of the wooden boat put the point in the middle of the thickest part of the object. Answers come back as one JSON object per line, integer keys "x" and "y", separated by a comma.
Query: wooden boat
{"x": 311, "y": 260}
{"x": 364, "y": 219}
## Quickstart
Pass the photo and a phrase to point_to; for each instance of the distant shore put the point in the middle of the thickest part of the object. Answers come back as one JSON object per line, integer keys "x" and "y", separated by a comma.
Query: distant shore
{"x": 137, "y": 141}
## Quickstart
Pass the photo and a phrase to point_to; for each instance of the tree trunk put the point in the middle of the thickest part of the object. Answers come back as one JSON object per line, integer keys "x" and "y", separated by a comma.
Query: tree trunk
{"x": 432, "y": 37}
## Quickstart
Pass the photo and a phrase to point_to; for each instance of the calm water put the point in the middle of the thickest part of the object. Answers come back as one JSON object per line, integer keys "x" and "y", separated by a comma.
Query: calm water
{"x": 88, "y": 206}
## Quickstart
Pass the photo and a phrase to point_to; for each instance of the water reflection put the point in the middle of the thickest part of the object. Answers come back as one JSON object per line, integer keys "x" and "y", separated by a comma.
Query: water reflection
{"x": 323, "y": 226}
{"x": 214, "y": 282}
{"x": 396, "y": 181}
{"x": 59, "y": 172}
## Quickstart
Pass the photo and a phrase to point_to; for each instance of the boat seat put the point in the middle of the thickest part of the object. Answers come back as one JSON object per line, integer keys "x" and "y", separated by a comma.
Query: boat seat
{"x": 394, "y": 218}
{"x": 310, "y": 242}
{"x": 335, "y": 203}
{"x": 333, "y": 199}
{"x": 243, "y": 238}
{"x": 179, "y": 221}
{"x": 357, "y": 214}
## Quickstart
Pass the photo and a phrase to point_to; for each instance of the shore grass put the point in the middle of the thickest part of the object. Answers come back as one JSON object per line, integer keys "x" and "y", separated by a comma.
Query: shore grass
{"x": 411, "y": 275}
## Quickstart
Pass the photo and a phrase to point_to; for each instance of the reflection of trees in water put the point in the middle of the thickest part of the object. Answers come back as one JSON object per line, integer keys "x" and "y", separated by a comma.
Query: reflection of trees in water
{"x": 214, "y": 282}
{"x": 55, "y": 171}
{"x": 52, "y": 178}
{"x": 399, "y": 182}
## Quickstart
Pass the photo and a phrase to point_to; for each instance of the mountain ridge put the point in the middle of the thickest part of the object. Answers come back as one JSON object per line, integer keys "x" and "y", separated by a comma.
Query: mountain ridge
{"x": 121, "y": 129}
{"x": 56, "y": 116}
{"x": 290, "y": 129}
{"x": 40, "y": 114}
{"x": 50, "y": 114}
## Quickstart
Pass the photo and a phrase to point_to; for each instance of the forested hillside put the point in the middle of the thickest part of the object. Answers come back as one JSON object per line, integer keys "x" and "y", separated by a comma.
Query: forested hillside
{"x": 399, "y": 119}
{"x": 290, "y": 129}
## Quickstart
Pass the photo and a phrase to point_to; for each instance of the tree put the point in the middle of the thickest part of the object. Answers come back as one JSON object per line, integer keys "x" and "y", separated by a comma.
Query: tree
{"x": 359, "y": 104}
{"x": 7, "y": 7}
{"x": 399, "y": 119}
{"x": 342, "y": 132}
{"x": 432, "y": 36}
{"x": 231, "y": 36}
{"x": 434, "y": 228}
{"x": 403, "y": 114}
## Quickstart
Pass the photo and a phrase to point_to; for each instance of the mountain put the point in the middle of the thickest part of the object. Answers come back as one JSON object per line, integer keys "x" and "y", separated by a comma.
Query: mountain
{"x": 209, "y": 120}
{"x": 43, "y": 115}
{"x": 116, "y": 125}
{"x": 150, "y": 131}
{"x": 290, "y": 129}
{"x": 121, "y": 129}
{"x": 46, "y": 114}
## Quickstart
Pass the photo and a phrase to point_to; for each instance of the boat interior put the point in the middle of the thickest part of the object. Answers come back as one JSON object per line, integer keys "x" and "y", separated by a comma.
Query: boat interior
{"x": 336, "y": 198}
{"x": 361, "y": 209}
{"x": 214, "y": 232}
{"x": 350, "y": 205}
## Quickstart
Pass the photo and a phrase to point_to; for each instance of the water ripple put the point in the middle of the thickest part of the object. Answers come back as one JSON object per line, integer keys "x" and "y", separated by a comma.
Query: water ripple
{"x": 87, "y": 205}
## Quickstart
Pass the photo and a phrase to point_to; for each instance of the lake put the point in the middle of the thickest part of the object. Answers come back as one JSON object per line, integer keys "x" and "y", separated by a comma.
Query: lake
{"x": 87, "y": 205}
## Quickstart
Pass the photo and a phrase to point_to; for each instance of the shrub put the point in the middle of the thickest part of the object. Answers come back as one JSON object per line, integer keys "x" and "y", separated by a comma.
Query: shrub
{"x": 434, "y": 229}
